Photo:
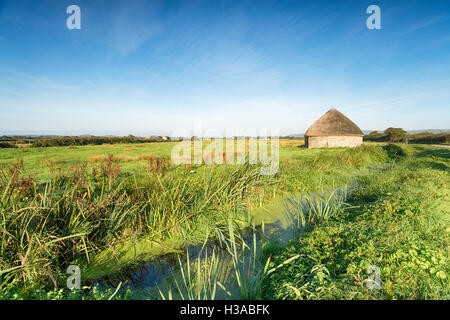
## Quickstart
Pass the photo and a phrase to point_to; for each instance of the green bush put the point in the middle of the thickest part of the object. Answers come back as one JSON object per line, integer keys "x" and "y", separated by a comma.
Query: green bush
{"x": 394, "y": 151}
{"x": 7, "y": 145}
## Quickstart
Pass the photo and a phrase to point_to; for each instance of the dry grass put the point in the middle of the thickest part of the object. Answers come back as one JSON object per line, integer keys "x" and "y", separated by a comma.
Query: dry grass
{"x": 146, "y": 156}
{"x": 23, "y": 145}
{"x": 97, "y": 158}
{"x": 122, "y": 158}
{"x": 157, "y": 165}
{"x": 224, "y": 155}
{"x": 291, "y": 143}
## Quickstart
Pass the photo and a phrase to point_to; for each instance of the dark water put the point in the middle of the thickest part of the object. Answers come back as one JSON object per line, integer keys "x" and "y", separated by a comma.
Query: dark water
{"x": 152, "y": 273}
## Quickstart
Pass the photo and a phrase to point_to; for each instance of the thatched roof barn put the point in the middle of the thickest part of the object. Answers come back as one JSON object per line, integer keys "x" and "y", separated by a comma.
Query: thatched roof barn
{"x": 331, "y": 130}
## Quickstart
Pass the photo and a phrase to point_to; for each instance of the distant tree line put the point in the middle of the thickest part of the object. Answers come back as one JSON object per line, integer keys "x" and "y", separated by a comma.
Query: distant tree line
{"x": 400, "y": 135}
{"x": 4, "y": 144}
{"x": 56, "y": 141}
{"x": 91, "y": 140}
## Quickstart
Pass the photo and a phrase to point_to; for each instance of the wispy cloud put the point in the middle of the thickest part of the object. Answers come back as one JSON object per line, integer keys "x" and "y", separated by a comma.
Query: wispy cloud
{"x": 36, "y": 82}
{"x": 425, "y": 23}
{"x": 152, "y": 66}
{"x": 133, "y": 24}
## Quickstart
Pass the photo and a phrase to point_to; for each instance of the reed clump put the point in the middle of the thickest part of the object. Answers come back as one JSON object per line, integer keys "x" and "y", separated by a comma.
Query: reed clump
{"x": 83, "y": 210}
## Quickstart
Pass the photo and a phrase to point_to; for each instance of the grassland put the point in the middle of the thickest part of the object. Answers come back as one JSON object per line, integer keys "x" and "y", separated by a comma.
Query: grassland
{"x": 108, "y": 207}
{"x": 397, "y": 221}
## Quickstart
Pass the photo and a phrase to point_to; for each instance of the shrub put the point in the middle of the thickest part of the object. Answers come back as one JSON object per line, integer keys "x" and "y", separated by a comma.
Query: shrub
{"x": 394, "y": 151}
{"x": 7, "y": 145}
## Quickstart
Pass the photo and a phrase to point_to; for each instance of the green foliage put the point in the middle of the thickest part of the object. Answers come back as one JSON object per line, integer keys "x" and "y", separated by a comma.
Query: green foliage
{"x": 429, "y": 137}
{"x": 199, "y": 280}
{"x": 308, "y": 210}
{"x": 394, "y": 151}
{"x": 7, "y": 145}
{"x": 397, "y": 221}
{"x": 79, "y": 214}
{"x": 399, "y": 135}
{"x": 11, "y": 292}
{"x": 70, "y": 211}
{"x": 235, "y": 272}
{"x": 90, "y": 140}
{"x": 395, "y": 134}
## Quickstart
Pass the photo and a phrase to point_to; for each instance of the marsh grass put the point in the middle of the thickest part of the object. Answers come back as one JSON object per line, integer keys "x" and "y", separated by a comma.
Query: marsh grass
{"x": 235, "y": 271}
{"x": 305, "y": 211}
{"x": 397, "y": 220}
{"x": 199, "y": 279}
{"x": 78, "y": 214}
{"x": 86, "y": 208}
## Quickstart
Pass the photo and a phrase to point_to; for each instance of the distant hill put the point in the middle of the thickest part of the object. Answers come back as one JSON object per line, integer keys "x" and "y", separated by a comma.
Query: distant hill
{"x": 297, "y": 135}
{"x": 19, "y": 137}
{"x": 428, "y": 130}
{"x": 413, "y": 131}
{"x": 301, "y": 135}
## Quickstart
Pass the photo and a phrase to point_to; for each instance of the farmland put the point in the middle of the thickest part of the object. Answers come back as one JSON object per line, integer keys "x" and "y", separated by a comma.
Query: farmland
{"x": 107, "y": 208}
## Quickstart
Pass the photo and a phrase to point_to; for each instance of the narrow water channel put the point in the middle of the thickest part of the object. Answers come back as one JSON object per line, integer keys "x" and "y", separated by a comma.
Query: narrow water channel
{"x": 278, "y": 223}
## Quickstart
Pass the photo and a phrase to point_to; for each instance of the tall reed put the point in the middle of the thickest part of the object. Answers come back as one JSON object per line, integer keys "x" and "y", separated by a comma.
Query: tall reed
{"x": 307, "y": 210}
{"x": 83, "y": 210}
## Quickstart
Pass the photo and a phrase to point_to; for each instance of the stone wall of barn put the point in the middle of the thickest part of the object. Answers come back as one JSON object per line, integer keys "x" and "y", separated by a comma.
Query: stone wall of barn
{"x": 333, "y": 141}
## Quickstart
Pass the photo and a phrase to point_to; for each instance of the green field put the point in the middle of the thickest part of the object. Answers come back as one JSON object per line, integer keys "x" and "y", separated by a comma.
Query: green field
{"x": 107, "y": 208}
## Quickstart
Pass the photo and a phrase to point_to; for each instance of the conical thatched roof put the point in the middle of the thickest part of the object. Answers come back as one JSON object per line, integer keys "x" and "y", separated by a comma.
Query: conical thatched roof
{"x": 333, "y": 123}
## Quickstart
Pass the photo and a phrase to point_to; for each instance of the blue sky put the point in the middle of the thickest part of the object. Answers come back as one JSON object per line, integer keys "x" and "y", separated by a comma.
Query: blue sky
{"x": 150, "y": 67}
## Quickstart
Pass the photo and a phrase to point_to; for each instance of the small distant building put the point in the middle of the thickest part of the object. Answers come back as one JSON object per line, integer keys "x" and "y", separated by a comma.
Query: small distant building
{"x": 332, "y": 130}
